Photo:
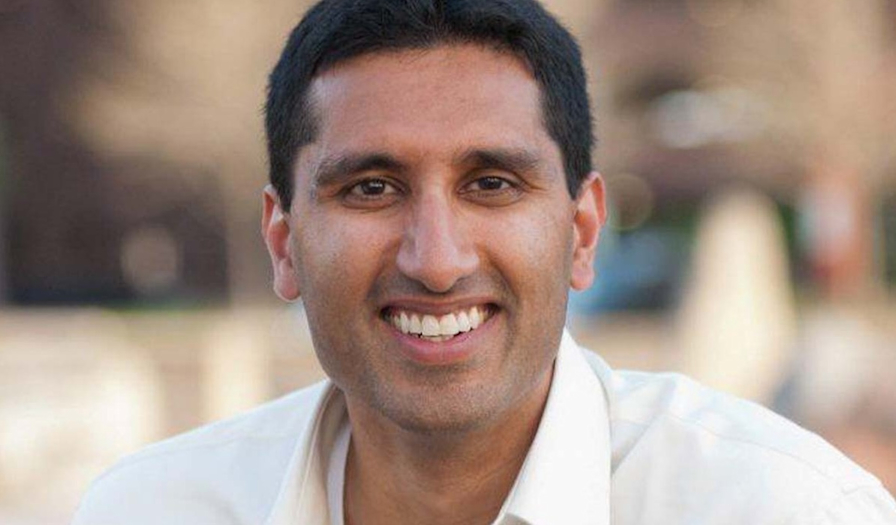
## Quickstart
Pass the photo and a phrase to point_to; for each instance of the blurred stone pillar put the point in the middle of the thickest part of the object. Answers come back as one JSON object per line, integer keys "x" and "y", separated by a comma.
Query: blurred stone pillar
{"x": 836, "y": 217}
{"x": 736, "y": 325}
{"x": 849, "y": 145}
{"x": 78, "y": 394}
{"x": 131, "y": 391}
{"x": 4, "y": 192}
{"x": 235, "y": 366}
{"x": 4, "y": 293}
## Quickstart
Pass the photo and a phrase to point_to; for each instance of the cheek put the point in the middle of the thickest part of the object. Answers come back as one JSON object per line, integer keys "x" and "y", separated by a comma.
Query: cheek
{"x": 534, "y": 253}
{"x": 340, "y": 259}
{"x": 538, "y": 240}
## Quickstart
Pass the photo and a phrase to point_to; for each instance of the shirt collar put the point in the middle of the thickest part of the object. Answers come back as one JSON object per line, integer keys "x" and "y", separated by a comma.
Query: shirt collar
{"x": 302, "y": 497}
{"x": 566, "y": 475}
{"x": 564, "y": 479}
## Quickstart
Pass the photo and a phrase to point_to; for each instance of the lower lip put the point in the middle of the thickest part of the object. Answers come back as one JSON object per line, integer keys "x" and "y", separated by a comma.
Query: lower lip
{"x": 455, "y": 350}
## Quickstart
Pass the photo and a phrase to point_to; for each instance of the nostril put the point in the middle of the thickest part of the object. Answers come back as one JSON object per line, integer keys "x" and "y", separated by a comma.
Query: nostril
{"x": 437, "y": 268}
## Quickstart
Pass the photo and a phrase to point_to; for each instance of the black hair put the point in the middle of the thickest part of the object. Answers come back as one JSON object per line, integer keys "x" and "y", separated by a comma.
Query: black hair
{"x": 333, "y": 31}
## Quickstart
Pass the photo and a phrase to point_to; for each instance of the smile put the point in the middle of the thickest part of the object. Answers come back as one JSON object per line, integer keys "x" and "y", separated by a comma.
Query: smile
{"x": 439, "y": 328}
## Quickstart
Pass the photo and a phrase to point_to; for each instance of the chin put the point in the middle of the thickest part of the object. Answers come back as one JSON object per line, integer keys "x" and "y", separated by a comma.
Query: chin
{"x": 444, "y": 410}
{"x": 441, "y": 425}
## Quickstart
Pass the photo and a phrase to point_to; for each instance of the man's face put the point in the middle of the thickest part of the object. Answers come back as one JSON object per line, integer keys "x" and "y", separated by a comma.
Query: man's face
{"x": 432, "y": 237}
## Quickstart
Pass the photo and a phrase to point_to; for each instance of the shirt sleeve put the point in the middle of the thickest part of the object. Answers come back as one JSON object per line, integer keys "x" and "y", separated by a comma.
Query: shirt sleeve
{"x": 147, "y": 497}
{"x": 868, "y": 506}
{"x": 119, "y": 503}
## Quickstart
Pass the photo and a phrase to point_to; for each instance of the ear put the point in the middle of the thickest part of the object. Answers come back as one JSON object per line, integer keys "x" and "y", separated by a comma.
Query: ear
{"x": 591, "y": 215}
{"x": 277, "y": 233}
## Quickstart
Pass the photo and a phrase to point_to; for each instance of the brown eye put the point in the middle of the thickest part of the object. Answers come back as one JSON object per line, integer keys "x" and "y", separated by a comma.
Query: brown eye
{"x": 370, "y": 194}
{"x": 371, "y": 188}
{"x": 493, "y": 191}
{"x": 491, "y": 184}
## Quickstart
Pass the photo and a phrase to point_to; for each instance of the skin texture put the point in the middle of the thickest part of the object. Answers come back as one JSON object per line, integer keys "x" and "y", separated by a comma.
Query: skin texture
{"x": 433, "y": 186}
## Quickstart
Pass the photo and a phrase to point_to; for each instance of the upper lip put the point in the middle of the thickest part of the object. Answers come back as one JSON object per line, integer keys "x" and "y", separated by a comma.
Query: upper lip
{"x": 436, "y": 307}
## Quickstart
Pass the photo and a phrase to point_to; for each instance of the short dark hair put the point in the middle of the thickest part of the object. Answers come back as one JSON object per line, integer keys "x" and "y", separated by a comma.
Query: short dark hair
{"x": 333, "y": 31}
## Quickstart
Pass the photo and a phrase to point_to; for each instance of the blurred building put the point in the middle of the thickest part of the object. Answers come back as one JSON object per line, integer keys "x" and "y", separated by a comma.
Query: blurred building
{"x": 746, "y": 145}
{"x": 134, "y": 129}
{"x": 789, "y": 96}
{"x": 133, "y": 156}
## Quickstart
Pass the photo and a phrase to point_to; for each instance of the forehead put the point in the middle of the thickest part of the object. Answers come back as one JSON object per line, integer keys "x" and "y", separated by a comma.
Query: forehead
{"x": 430, "y": 101}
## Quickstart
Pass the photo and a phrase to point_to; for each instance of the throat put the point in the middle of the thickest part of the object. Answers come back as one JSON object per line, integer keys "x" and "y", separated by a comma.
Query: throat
{"x": 437, "y": 494}
{"x": 461, "y": 479}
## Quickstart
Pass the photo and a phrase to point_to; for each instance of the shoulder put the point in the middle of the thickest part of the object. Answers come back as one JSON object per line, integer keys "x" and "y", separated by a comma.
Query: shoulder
{"x": 716, "y": 458}
{"x": 232, "y": 467}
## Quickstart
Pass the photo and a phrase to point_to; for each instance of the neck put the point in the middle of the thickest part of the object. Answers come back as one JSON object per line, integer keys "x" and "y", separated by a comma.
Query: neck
{"x": 396, "y": 477}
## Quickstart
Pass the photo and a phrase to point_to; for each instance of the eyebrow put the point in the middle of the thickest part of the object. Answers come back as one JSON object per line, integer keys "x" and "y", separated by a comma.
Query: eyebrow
{"x": 516, "y": 160}
{"x": 333, "y": 170}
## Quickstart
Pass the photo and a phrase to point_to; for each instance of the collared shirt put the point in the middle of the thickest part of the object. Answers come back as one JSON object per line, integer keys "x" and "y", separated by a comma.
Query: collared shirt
{"x": 621, "y": 448}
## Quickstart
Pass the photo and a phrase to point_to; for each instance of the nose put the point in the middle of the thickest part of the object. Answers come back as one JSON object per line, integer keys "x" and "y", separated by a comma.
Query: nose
{"x": 436, "y": 249}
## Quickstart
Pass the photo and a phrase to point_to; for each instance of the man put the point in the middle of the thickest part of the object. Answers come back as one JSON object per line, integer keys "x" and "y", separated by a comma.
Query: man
{"x": 431, "y": 202}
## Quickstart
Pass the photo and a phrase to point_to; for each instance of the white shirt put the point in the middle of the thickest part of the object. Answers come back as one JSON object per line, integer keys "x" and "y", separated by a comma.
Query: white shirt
{"x": 621, "y": 448}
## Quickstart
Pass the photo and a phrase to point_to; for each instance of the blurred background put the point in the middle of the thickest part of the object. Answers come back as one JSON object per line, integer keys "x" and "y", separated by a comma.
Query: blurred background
{"x": 747, "y": 146}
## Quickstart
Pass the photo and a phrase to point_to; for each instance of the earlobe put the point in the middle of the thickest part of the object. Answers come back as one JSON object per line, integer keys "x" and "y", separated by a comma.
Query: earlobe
{"x": 590, "y": 217}
{"x": 277, "y": 233}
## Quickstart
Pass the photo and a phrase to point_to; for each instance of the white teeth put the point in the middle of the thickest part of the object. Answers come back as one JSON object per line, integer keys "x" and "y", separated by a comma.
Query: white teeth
{"x": 463, "y": 322}
{"x": 448, "y": 325}
{"x": 404, "y": 322}
{"x": 442, "y": 328}
{"x": 475, "y": 318}
{"x": 431, "y": 326}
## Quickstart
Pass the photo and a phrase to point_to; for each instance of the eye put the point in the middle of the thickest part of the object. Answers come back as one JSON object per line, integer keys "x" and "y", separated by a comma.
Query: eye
{"x": 490, "y": 184}
{"x": 370, "y": 193}
{"x": 371, "y": 188}
{"x": 492, "y": 190}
